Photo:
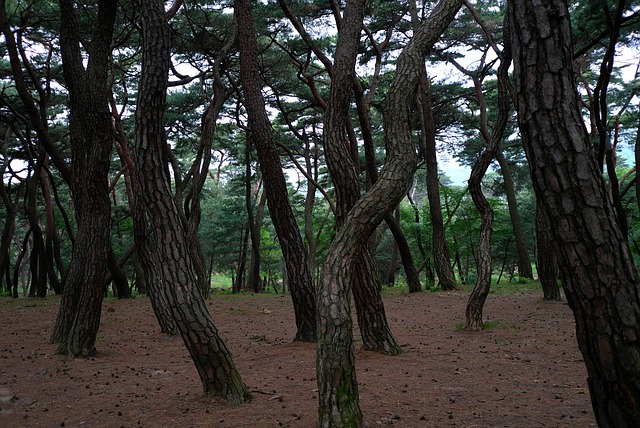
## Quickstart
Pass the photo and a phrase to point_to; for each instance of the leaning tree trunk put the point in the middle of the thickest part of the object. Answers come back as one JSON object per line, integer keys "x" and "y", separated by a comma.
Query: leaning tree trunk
{"x": 275, "y": 186}
{"x": 547, "y": 262}
{"x": 179, "y": 282}
{"x": 597, "y": 270}
{"x": 146, "y": 261}
{"x": 337, "y": 385}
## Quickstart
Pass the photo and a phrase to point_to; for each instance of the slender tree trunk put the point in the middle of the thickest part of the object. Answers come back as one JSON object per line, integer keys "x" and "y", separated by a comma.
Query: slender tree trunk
{"x": 275, "y": 186}
{"x": 547, "y": 262}
{"x": 483, "y": 259}
{"x": 37, "y": 257}
{"x": 597, "y": 270}
{"x": 179, "y": 282}
{"x": 524, "y": 264}
{"x": 411, "y": 273}
{"x": 390, "y": 274}
{"x": 441, "y": 253}
{"x": 50, "y": 230}
{"x": 118, "y": 277}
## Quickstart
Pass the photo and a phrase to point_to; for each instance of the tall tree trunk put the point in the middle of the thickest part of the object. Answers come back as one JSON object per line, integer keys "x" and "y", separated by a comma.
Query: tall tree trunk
{"x": 599, "y": 277}
{"x": 37, "y": 257}
{"x": 50, "y": 230}
{"x": 254, "y": 223}
{"x": 147, "y": 264}
{"x": 11, "y": 210}
{"x": 200, "y": 169}
{"x": 342, "y": 166}
{"x": 441, "y": 253}
{"x": 337, "y": 385}
{"x": 179, "y": 282}
{"x": 547, "y": 261}
{"x": 480, "y": 291}
{"x": 524, "y": 264}
{"x": 91, "y": 142}
{"x": 275, "y": 186}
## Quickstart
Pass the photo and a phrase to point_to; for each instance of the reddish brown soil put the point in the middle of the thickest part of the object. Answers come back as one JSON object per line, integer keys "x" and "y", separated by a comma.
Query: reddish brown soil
{"x": 526, "y": 371}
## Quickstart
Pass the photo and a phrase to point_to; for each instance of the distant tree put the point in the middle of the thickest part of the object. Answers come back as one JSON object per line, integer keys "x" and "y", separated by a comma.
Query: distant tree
{"x": 294, "y": 252}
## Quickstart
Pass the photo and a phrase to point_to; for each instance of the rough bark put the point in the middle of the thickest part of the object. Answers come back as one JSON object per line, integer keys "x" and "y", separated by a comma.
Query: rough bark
{"x": 179, "y": 282}
{"x": 275, "y": 186}
{"x": 547, "y": 261}
{"x": 337, "y": 385}
{"x": 147, "y": 263}
{"x": 599, "y": 277}
{"x": 91, "y": 141}
{"x": 524, "y": 263}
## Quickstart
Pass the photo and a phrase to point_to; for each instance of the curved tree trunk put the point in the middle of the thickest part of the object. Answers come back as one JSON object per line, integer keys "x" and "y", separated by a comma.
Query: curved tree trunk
{"x": 480, "y": 291}
{"x": 337, "y": 385}
{"x": 597, "y": 270}
{"x": 179, "y": 282}
{"x": 275, "y": 186}
{"x": 524, "y": 264}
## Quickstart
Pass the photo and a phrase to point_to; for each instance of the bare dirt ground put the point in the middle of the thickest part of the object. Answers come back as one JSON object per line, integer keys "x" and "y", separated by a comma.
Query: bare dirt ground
{"x": 525, "y": 371}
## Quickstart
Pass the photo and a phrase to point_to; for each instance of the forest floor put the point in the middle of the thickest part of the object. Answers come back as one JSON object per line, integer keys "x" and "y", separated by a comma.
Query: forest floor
{"x": 523, "y": 371}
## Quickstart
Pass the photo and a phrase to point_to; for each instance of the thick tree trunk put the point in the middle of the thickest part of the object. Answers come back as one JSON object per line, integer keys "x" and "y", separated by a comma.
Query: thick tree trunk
{"x": 547, "y": 262}
{"x": 179, "y": 282}
{"x": 337, "y": 385}
{"x": 599, "y": 277}
{"x": 275, "y": 186}
{"x": 91, "y": 142}
{"x": 524, "y": 264}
